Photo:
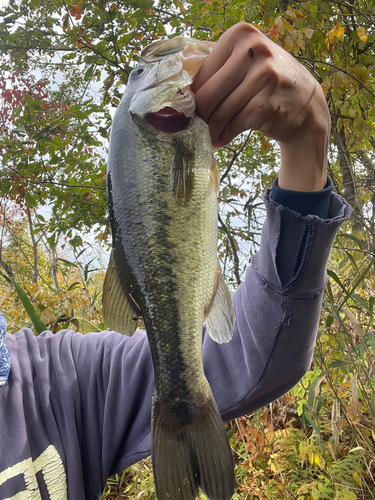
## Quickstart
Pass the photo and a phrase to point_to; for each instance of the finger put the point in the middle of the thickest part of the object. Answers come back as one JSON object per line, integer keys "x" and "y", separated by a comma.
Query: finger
{"x": 274, "y": 111}
{"x": 210, "y": 44}
{"x": 222, "y": 51}
{"x": 220, "y": 85}
{"x": 241, "y": 63}
{"x": 224, "y": 115}
{"x": 261, "y": 79}
{"x": 251, "y": 117}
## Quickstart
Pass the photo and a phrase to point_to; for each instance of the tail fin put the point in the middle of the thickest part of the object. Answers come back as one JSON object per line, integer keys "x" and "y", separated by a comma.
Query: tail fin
{"x": 196, "y": 454}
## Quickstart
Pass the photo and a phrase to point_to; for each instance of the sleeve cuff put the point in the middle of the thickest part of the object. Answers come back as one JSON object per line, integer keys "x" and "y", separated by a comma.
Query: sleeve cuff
{"x": 305, "y": 203}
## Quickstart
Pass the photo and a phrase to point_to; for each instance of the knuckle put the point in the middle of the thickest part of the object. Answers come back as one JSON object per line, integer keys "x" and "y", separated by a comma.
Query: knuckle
{"x": 264, "y": 48}
{"x": 263, "y": 113}
{"x": 269, "y": 74}
{"x": 246, "y": 28}
{"x": 242, "y": 31}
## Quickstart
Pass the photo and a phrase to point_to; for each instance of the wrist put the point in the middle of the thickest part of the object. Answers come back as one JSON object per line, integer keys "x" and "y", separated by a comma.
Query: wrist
{"x": 305, "y": 203}
{"x": 304, "y": 160}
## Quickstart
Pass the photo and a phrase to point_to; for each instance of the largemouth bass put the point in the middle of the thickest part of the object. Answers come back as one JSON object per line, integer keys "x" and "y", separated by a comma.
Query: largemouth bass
{"x": 162, "y": 187}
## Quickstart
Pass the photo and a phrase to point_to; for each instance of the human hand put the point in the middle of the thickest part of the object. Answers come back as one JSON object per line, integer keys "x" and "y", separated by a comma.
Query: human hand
{"x": 249, "y": 82}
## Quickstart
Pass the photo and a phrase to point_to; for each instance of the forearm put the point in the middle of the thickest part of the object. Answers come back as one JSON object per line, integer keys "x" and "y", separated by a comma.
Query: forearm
{"x": 304, "y": 165}
{"x": 276, "y": 321}
{"x": 271, "y": 350}
{"x": 304, "y": 155}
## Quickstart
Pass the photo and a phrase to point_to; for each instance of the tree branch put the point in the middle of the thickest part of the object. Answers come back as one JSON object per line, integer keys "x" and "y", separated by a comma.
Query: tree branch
{"x": 236, "y": 262}
{"x": 34, "y": 245}
{"x": 301, "y": 58}
{"x": 55, "y": 183}
{"x": 235, "y": 155}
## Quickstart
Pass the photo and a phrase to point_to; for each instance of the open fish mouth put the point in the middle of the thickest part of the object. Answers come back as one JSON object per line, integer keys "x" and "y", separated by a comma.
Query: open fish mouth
{"x": 164, "y": 101}
{"x": 168, "y": 120}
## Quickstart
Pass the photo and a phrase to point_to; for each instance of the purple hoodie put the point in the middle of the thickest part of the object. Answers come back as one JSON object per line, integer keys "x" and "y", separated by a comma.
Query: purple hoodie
{"x": 77, "y": 408}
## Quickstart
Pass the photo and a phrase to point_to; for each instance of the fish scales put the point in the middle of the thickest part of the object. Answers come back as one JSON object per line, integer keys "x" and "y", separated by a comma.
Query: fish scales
{"x": 162, "y": 197}
{"x": 174, "y": 282}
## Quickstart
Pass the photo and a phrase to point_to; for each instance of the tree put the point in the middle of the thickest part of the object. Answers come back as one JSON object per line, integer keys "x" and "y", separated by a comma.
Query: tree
{"x": 54, "y": 132}
{"x": 75, "y": 44}
{"x": 61, "y": 282}
{"x": 50, "y": 154}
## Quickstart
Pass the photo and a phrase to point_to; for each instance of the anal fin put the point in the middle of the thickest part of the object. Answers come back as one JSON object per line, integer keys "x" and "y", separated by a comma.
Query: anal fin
{"x": 120, "y": 313}
{"x": 220, "y": 317}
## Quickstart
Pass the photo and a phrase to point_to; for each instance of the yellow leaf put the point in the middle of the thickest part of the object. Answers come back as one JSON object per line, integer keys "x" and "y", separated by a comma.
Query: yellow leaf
{"x": 287, "y": 25}
{"x": 269, "y": 436}
{"x": 345, "y": 494}
{"x": 273, "y": 467}
{"x": 294, "y": 14}
{"x": 362, "y": 35}
{"x": 340, "y": 32}
{"x": 356, "y": 477}
{"x": 336, "y": 32}
{"x": 333, "y": 34}
{"x": 304, "y": 489}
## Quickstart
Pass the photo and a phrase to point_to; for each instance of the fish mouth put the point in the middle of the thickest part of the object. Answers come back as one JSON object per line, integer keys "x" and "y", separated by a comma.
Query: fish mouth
{"x": 168, "y": 120}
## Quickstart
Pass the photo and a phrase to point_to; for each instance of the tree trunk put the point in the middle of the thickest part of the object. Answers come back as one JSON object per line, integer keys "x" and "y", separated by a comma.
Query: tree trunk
{"x": 8, "y": 270}
{"x": 348, "y": 179}
{"x": 55, "y": 268}
{"x": 35, "y": 247}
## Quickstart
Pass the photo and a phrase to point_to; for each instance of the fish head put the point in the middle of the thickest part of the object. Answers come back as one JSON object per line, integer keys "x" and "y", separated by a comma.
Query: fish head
{"x": 162, "y": 100}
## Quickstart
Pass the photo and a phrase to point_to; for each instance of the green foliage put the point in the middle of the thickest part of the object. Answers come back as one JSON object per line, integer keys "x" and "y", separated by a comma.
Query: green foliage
{"x": 134, "y": 482}
{"x": 50, "y": 290}
{"x": 288, "y": 463}
{"x": 51, "y": 156}
{"x": 53, "y": 151}
{"x": 29, "y": 308}
{"x": 63, "y": 70}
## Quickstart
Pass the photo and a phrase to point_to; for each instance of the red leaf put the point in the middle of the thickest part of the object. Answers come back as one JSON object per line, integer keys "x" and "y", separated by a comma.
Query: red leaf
{"x": 77, "y": 10}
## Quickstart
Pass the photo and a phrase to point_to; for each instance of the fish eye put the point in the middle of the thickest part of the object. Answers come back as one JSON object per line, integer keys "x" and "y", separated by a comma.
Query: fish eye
{"x": 138, "y": 71}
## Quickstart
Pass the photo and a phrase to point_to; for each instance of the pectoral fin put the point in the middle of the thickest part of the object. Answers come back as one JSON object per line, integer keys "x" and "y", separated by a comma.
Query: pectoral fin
{"x": 215, "y": 176}
{"x": 120, "y": 313}
{"x": 182, "y": 173}
{"x": 220, "y": 317}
